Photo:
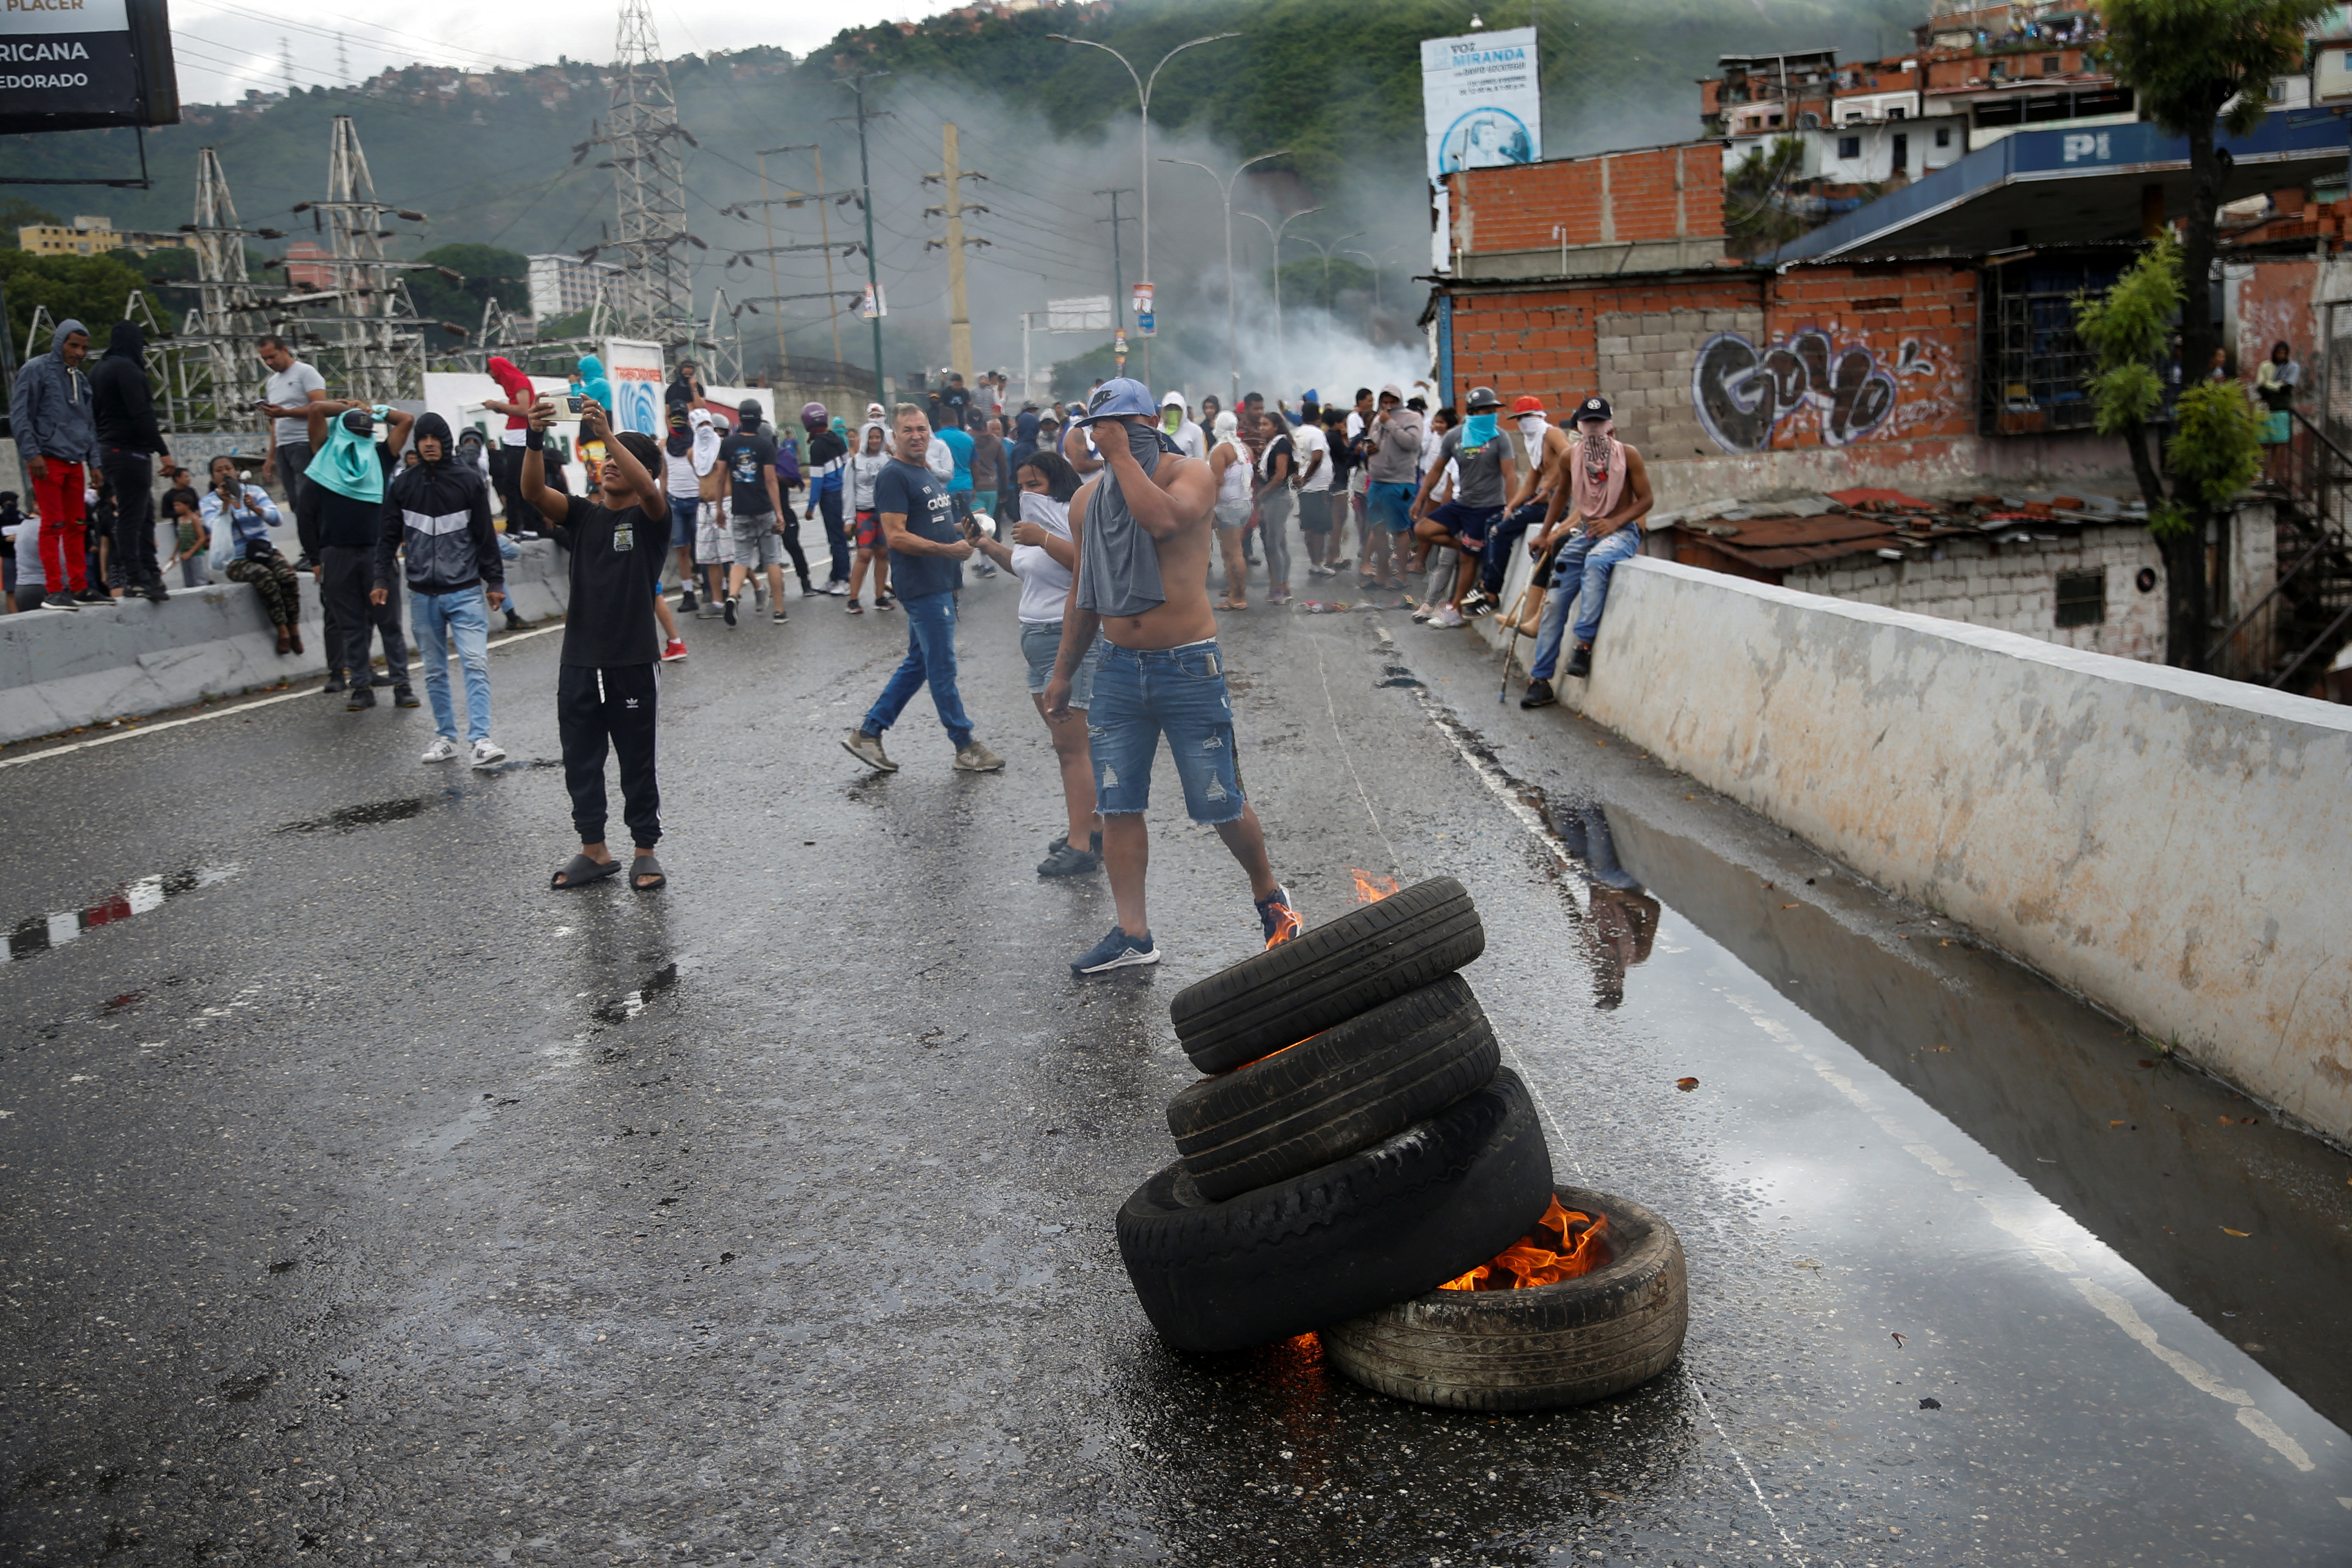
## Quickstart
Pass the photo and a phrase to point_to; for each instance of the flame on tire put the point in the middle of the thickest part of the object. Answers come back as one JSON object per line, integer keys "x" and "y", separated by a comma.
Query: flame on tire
{"x": 1564, "y": 1243}
{"x": 1371, "y": 888}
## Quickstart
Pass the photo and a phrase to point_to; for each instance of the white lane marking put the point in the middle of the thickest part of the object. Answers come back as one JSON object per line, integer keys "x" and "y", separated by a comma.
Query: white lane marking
{"x": 2114, "y": 1307}
{"x": 506, "y": 641}
{"x": 1762, "y": 1501}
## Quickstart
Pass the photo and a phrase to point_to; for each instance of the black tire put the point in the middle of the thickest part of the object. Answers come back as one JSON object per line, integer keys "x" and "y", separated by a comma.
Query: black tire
{"x": 1380, "y": 1225}
{"x": 1345, "y": 1090}
{"x": 1569, "y": 1343}
{"x": 1327, "y": 975}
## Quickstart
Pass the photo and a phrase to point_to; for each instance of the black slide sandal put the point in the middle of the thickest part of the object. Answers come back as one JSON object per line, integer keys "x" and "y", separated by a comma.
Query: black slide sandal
{"x": 580, "y": 872}
{"x": 646, "y": 866}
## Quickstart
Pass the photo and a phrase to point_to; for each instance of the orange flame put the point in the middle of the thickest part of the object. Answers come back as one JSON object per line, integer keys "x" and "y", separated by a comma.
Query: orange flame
{"x": 1370, "y": 888}
{"x": 1578, "y": 1245}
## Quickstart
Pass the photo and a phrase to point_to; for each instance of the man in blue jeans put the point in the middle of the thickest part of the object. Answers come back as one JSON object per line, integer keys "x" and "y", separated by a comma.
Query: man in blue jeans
{"x": 440, "y": 510}
{"x": 1143, "y": 528}
{"x": 1609, "y": 494}
{"x": 927, "y": 556}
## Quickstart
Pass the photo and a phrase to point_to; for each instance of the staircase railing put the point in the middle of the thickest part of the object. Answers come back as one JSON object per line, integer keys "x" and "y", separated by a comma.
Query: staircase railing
{"x": 2307, "y": 611}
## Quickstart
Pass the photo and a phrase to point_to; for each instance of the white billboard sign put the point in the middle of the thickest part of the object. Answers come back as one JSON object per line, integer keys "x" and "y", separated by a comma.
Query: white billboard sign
{"x": 1481, "y": 101}
{"x": 1081, "y": 313}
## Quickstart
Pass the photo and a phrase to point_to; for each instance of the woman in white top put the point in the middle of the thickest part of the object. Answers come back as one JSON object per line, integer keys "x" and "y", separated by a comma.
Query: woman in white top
{"x": 1044, "y": 557}
{"x": 866, "y": 466}
{"x": 1231, "y": 466}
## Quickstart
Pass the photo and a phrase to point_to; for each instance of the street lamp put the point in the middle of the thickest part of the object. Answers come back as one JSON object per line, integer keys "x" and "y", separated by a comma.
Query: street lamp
{"x": 1323, "y": 247}
{"x": 1376, "y": 261}
{"x": 1226, "y": 188}
{"x": 1143, "y": 96}
{"x": 1281, "y": 344}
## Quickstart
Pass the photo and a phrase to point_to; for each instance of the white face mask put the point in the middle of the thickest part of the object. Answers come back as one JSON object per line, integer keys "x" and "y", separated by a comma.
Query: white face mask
{"x": 1532, "y": 425}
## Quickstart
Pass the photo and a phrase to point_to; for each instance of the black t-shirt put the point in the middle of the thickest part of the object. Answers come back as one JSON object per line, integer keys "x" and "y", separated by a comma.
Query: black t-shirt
{"x": 617, "y": 561}
{"x": 746, "y": 456}
{"x": 1265, "y": 463}
{"x": 347, "y": 523}
{"x": 914, "y": 489}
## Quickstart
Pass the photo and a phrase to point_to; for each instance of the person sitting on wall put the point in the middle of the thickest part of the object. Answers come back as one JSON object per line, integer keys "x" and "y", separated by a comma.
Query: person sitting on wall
{"x": 1609, "y": 494}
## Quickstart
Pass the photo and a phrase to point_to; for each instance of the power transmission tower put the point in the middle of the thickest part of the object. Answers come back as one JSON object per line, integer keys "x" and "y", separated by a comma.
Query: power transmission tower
{"x": 856, "y": 85}
{"x": 952, "y": 176}
{"x": 643, "y": 134}
{"x": 210, "y": 360}
{"x": 363, "y": 319}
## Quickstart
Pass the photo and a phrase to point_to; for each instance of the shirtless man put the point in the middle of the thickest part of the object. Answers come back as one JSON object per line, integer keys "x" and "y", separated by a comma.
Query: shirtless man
{"x": 1142, "y": 527}
{"x": 1608, "y": 491}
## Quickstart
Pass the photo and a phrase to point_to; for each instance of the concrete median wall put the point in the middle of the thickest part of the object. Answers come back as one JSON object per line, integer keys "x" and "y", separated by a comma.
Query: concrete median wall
{"x": 61, "y": 669}
{"x": 2173, "y": 845}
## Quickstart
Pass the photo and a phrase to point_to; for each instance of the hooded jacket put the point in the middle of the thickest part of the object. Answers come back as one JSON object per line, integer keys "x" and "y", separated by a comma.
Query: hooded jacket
{"x": 51, "y": 404}
{"x": 441, "y": 511}
{"x": 123, "y": 409}
{"x": 594, "y": 383}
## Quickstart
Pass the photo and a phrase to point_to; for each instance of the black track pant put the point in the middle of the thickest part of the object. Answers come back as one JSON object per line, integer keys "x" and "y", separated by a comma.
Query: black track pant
{"x": 132, "y": 474}
{"x": 345, "y": 577}
{"x": 614, "y": 707}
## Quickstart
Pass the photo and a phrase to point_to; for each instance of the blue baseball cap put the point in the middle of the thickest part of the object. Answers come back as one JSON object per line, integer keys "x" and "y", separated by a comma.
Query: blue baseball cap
{"x": 1119, "y": 397}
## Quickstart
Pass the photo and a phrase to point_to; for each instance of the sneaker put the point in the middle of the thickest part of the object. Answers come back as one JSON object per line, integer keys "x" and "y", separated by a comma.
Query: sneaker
{"x": 853, "y": 607}
{"x": 1277, "y": 916}
{"x": 360, "y": 697}
{"x": 976, "y": 758}
{"x": 1580, "y": 663}
{"x": 96, "y": 596}
{"x": 1068, "y": 860}
{"x": 730, "y": 611}
{"x": 1117, "y": 951}
{"x": 759, "y": 592}
{"x": 404, "y": 696}
{"x": 487, "y": 753}
{"x": 710, "y": 611}
{"x": 837, "y": 589}
{"x": 885, "y": 602}
{"x": 1278, "y": 596}
{"x": 1539, "y": 694}
{"x": 335, "y": 682}
{"x": 155, "y": 591}
{"x": 1476, "y": 602}
{"x": 686, "y": 599}
{"x": 1447, "y": 618}
{"x": 674, "y": 650}
{"x": 780, "y": 617}
{"x": 378, "y": 678}
{"x": 810, "y": 590}
{"x": 61, "y": 602}
{"x": 987, "y": 569}
{"x": 1424, "y": 612}
{"x": 442, "y": 750}
{"x": 515, "y": 622}
{"x": 1318, "y": 570}
{"x": 867, "y": 748}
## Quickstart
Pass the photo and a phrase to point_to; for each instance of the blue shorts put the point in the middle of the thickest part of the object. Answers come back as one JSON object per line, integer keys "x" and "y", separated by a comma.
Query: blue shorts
{"x": 1390, "y": 505}
{"x": 1041, "y": 649}
{"x": 683, "y": 512}
{"x": 1179, "y": 692}
{"x": 1469, "y": 525}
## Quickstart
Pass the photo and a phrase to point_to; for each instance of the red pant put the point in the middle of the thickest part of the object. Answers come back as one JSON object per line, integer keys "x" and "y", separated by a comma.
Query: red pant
{"x": 65, "y": 551}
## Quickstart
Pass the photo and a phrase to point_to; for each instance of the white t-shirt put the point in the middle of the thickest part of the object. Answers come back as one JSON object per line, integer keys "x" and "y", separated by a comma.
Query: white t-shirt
{"x": 1045, "y": 582}
{"x": 1309, "y": 440}
{"x": 1430, "y": 441}
{"x": 1192, "y": 439}
{"x": 291, "y": 388}
{"x": 30, "y": 573}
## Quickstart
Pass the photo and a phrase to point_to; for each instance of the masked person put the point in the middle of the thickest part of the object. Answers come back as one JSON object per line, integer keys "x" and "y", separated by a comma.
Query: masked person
{"x": 514, "y": 400}
{"x": 1536, "y": 502}
{"x": 1178, "y": 427}
{"x": 828, "y": 459}
{"x": 688, "y": 454}
{"x": 1609, "y": 496}
{"x": 440, "y": 510}
{"x": 1140, "y": 587}
{"x": 341, "y": 519}
{"x": 1481, "y": 456}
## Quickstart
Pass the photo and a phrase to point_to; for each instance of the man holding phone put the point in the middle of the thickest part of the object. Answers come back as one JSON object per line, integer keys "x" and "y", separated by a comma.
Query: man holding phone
{"x": 286, "y": 397}
{"x": 926, "y": 556}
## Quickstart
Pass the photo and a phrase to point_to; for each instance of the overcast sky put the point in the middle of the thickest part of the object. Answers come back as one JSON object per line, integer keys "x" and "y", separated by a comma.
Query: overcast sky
{"x": 227, "y": 46}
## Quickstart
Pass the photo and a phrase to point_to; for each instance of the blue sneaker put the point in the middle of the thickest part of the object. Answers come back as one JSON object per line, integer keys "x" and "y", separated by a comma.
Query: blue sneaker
{"x": 1281, "y": 921}
{"x": 1117, "y": 951}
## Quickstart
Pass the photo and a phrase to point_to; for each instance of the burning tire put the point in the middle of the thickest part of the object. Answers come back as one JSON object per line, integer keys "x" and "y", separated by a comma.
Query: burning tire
{"x": 1327, "y": 975}
{"x": 1565, "y": 1343}
{"x": 1382, "y": 1225}
{"x": 1345, "y": 1090}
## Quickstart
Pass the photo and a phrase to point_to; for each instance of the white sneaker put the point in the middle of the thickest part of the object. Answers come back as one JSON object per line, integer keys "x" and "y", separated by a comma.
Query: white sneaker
{"x": 442, "y": 749}
{"x": 488, "y": 754}
{"x": 836, "y": 590}
{"x": 1448, "y": 618}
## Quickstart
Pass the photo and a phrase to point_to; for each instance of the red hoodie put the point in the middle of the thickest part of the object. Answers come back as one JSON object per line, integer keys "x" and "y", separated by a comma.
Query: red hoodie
{"x": 518, "y": 389}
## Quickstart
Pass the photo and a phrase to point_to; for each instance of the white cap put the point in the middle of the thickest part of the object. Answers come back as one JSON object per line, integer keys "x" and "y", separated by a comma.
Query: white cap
{"x": 1173, "y": 400}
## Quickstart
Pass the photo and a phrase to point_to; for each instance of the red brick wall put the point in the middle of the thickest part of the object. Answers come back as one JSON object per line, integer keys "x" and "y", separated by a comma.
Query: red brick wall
{"x": 1686, "y": 360}
{"x": 2275, "y": 304}
{"x": 1516, "y": 208}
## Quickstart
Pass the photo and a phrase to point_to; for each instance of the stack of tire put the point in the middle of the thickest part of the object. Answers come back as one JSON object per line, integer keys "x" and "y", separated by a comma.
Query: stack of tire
{"x": 1357, "y": 1144}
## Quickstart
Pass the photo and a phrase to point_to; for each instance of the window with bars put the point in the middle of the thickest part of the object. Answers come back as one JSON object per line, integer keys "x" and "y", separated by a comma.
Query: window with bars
{"x": 2082, "y": 598}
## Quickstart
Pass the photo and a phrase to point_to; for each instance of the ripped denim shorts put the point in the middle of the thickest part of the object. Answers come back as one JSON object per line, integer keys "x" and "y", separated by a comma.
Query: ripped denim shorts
{"x": 1180, "y": 692}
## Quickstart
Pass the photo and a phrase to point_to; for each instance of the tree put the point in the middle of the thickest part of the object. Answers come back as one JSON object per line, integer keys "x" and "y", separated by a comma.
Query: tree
{"x": 2215, "y": 450}
{"x": 90, "y": 288}
{"x": 2194, "y": 63}
{"x": 485, "y": 272}
{"x": 1756, "y": 212}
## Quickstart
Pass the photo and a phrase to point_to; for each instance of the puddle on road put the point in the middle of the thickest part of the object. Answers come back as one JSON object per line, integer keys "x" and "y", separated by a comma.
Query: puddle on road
{"x": 630, "y": 1006}
{"x": 42, "y": 932}
{"x": 353, "y": 817}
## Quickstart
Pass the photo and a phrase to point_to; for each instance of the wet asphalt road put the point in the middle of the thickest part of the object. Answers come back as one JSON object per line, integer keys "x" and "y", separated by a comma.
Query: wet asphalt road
{"x": 370, "y": 1202}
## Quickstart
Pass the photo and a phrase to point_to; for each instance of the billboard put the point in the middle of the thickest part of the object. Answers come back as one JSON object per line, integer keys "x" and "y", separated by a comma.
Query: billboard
{"x": 74, "y": 65}
{"x": 1480, "y": 101}
{"x": 1081, "y": 313}
{"x": 635, "y": 369}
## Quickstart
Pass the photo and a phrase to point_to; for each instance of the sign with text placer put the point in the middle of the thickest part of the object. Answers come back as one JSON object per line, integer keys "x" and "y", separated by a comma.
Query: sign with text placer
{"x": 73, "y": 65}
{"x": 1481, "y": 101}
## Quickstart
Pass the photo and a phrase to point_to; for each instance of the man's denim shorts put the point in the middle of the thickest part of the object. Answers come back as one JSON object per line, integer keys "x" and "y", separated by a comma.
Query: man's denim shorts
{"x": 683, "y": 511}
{"x": 1041, "y": 644}
{"x": 1390, "y": 505}
{"x": 1179, "y": 692}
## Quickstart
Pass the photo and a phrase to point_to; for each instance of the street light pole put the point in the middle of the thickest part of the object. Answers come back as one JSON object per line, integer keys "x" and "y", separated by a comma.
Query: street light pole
{"x": 1226, "y": 188}
{"x": 1281, "y": 343}
{"x": 1143, "y": 85}
{"x": 1323, "y": 249}
{"x": 1376, "y": 261}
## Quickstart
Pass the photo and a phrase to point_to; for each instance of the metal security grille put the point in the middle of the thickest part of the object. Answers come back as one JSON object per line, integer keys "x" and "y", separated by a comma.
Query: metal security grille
{"x": 2082, "y": 598}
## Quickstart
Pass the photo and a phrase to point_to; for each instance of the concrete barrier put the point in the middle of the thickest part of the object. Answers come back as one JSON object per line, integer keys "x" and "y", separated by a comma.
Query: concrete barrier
{"x": 59, "y": 670}
{"x": 2171, "y": 845}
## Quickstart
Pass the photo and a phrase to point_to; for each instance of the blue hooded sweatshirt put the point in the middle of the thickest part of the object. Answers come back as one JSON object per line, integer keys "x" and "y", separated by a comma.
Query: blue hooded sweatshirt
{"x": 594, "y": 383}
{"x": 51, "y": 406}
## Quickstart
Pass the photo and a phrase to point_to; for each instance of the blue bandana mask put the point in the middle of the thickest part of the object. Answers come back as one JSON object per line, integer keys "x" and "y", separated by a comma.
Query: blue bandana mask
{"x": 1478, "y": 431}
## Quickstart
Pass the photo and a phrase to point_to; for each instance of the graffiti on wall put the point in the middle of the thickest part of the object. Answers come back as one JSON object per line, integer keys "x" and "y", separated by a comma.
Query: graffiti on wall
{"x": 1744, "y": 393}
